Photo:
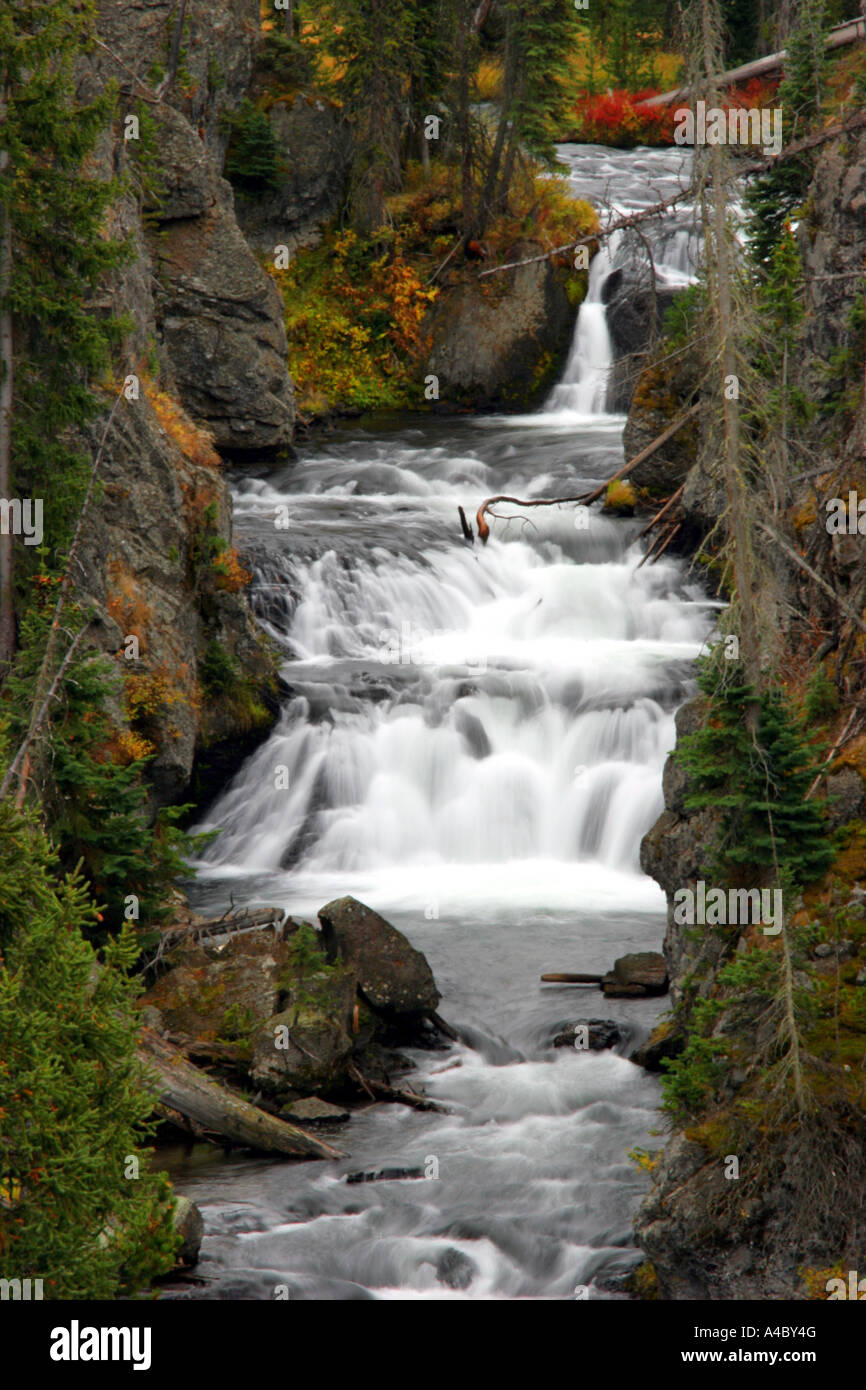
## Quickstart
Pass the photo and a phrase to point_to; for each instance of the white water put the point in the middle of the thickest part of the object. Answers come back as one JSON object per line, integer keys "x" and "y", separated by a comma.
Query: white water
{"x": 473, "y": 743}
{"x": 583, "y": 389}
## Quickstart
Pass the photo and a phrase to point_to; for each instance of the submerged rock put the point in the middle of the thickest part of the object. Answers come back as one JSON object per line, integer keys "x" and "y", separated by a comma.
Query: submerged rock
{"x": 601, "y": 1034}
{"x": 313, "y": 1111}
{"x": 454, "y": 1269}
{"x": 189, "y": 1221}
{"x": 384, "y": 1175}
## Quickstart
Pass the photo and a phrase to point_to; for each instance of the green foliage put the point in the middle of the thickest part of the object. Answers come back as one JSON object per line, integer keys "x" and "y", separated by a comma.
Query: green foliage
{"x": 60, "y": 254}
{"x": 757, "y": 780}
{"x": 843, "y": 372}
{"x": 544, "y": 34}
{"x": 218, "y": 670}
{"x": 822, "y": 697}
{"x": 776, "y": 351}
{"x": 305, "y": 951}
{"x": 253, "y": 160}
{"x": 774, "y": 198}
{"x": 74, "y": 1098}
{"x": 96, "y": 808}
{"x": 691, "y": 1079}
{"x": 682, "y": 313}
{"x": 628, "y": 35}
{"x": 288, "y": 63}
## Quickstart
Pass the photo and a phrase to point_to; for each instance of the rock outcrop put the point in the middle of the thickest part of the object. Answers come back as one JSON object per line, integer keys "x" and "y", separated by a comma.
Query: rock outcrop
{"x": 292, "y": 1010}
{"x": 314, "y": 149}
{"x": 500, "y": 341}
{"x": 635, "y": 312}
{"x": 205, "y": 359}
{"x": 218, "y": 315}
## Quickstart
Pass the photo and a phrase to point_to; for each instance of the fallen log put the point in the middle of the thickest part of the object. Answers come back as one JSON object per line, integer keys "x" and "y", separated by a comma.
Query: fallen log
{"x": 216, "y": 1111}
{"x": 572, "y": 979}
{"x": 848, "y": 32}
{"x": 379, "y": 1091}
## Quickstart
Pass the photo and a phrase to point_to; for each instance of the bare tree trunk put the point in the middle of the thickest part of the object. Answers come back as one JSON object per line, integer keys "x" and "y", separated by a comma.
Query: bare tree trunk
{"x": 467, "y": 188}
{"x": 174, "y": 56}
{"x": 7, "y": 607}
{"x": 724, "y": 316}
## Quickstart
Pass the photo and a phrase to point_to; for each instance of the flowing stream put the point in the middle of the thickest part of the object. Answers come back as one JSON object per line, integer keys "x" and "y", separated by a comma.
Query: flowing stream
{"x": 474, "y": 739}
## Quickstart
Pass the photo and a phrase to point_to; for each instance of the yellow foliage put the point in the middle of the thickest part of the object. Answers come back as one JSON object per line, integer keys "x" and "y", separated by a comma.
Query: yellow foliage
{"x": 815, "y": 1280}
{"x": 230, "y": 574}
{"x": 125, "y": 603}
{"x": 195, "y": 443}
{"x": 149, "y": 692}
{"x": 620, "y": 496}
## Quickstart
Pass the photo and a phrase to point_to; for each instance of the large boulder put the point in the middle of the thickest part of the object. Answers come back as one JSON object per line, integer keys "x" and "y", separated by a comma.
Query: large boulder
{"x": 210, "y": 994}
{"x": 500, "y": 341}
{"x": 635, "y": 311}
{"x": 640, "y": 972}
{"x": 391, "y": 975}
{"x": 189, "y": 1224}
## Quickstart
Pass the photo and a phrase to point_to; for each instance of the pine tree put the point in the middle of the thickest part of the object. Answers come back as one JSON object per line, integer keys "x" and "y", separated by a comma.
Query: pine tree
{"x": 79, "y": 1207}
{"x": 773, "y": 199}
{"x": 54, "y": 255}
{"x": 758, "y": 781}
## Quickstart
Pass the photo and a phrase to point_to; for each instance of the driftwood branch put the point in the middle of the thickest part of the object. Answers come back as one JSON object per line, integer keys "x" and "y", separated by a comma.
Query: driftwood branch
{"x": 379, "y": 1091}
{"x": 833, "y": 751}
{"x": 585, "y": 497}
{"x": 566, "y": 979}
{"x": 822, "y": 583}
{"x": 634, "y": 219}
{"x": 21, "y": 762}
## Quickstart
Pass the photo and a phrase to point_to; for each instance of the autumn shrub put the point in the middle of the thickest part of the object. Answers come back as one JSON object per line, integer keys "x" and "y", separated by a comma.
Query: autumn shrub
{"x": 194, "y": 442}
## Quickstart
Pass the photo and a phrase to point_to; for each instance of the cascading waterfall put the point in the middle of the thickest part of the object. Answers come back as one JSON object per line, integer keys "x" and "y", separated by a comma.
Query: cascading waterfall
{"x": 583, "y": 389}
{"x": 472, "y": 743}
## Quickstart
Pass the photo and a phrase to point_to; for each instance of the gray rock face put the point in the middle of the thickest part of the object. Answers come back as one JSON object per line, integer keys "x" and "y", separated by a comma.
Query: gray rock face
{"x": 635, "y": 312}
{"x": 315, "y": 148}
{"x": 217, "y": 54}
{"x": 312, "y": 1111}
{"x": 640, "y": 972}
{"x": 135, "y": 563}
{"x": 499, "y": 341}
{"x": 219, "y": 315}
{"x": 830, "y": 240}
{"x": 391, "y": 974}
{"x": 194, "y": 290}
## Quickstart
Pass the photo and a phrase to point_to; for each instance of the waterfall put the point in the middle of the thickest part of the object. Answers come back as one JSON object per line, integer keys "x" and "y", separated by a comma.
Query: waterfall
{"x": 471, "y": 741}
{"x": 583, "y": 389}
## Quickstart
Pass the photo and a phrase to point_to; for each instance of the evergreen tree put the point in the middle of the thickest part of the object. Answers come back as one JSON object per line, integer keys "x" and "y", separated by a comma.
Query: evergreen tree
{"x": 377, "y": 51}
{"x": 758, "y": 780}
{"x": 79, "y": 1207}
{"x": 53, "y": 255}
{"x": 773, "y": 199}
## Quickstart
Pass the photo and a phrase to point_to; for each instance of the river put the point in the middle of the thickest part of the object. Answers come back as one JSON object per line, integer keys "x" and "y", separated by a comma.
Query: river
{"x": 474, "y": 742}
